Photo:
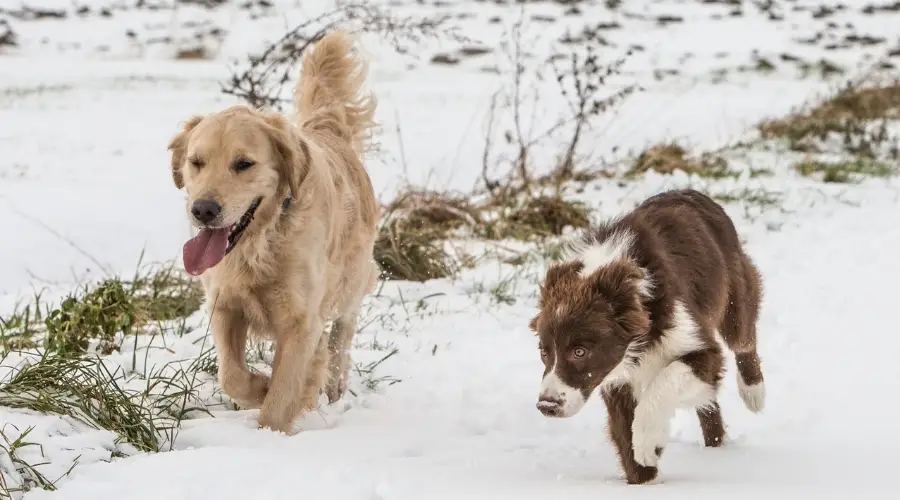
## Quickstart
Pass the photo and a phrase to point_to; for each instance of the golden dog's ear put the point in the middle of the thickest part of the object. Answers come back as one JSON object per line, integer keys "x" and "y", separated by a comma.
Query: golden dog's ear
{"x": 293, "y": 153}
{"x": 178, "y": 147}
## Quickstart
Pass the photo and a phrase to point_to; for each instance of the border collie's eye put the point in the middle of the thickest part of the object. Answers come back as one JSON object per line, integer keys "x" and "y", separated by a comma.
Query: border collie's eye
{"x": 543, "y": 353}
{"x": 241, "y": 165}
{"x": 579, "y": 352}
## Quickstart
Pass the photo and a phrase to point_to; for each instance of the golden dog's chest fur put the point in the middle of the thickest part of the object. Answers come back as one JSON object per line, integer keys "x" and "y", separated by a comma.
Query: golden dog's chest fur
{"x": 293, "y": 268}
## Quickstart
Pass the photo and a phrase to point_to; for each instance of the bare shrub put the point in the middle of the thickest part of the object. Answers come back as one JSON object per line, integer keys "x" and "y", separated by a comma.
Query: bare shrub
{"x": 260, "y": 83}
{"x": 583, "y": 84}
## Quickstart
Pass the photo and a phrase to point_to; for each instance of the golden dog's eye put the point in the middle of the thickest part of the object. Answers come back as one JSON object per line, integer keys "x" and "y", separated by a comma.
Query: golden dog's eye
{"x": 241, "y": 165}
{"x": 196, "y": 162}
{"x": 579, "y": 352}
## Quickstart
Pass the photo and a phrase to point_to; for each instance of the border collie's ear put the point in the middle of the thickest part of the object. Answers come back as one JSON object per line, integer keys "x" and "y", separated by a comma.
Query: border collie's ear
{"x": 178, "y": 147}
{"x": 561, "y": 280}
{"x": 621, "y": 285}
{"x": 533, "y": 324}
{"x": 294, "y": 155}
{"x": 558, "y": 272}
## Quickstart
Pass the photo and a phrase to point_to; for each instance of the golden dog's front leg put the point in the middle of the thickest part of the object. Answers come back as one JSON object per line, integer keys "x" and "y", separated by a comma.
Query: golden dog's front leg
{"x": 294, "y": 350}
{"x": 339, "y": 343}
{"x": 316, "y": 375}
{"x": 229, "y": 329}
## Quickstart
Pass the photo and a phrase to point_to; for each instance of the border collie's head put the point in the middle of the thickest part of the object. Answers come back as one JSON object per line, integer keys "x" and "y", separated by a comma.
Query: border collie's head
{"x": 586, "y": 324}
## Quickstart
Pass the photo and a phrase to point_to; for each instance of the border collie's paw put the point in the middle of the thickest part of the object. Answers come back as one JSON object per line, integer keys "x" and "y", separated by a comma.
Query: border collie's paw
{"x": 644, "y": 476}
{"x": 649, "y": 435}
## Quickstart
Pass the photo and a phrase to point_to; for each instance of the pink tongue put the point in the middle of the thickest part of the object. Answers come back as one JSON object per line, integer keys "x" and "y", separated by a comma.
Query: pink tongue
{"x": 204, "y": 250}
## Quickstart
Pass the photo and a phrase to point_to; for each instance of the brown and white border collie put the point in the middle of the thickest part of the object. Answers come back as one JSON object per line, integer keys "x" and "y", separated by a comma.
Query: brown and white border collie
{"x": 640, "y": 310}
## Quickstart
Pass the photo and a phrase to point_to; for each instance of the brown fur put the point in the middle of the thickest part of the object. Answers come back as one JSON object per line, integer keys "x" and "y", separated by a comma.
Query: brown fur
{"x": 296, "y": 268}
{"x": 676, "y": 280}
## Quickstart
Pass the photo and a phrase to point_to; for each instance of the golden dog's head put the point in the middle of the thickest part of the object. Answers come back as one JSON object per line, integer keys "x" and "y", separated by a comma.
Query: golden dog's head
{"x": 231, "y": 164}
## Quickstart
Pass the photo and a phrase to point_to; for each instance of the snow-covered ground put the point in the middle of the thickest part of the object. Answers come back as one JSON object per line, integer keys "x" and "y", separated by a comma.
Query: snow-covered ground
{"x": 86, "y": 112}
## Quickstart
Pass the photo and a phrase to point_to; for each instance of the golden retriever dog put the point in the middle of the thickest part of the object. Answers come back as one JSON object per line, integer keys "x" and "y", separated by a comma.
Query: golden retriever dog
{"x": 287, "y": 219}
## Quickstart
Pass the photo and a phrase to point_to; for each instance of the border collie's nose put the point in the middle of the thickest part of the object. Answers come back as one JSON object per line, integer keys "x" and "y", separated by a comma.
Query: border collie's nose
{"x": 206, "y": 211}
{"x": 550, "y": 405}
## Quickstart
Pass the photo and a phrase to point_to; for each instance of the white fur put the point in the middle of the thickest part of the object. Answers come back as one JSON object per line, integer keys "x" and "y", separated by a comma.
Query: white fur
{"x": 678, "y": 340}
{"x": 597, "y": 255}
{"x": 675, "y": 387}
{"x": 661, "y": 385}
{"x": 754, "y": 396}
{"x": 600, "y": 254}
{"x": 553, "y": 387}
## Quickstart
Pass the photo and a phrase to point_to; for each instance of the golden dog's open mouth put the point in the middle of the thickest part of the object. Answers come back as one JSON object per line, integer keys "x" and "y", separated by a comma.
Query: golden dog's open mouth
{"x": 212, "y": 244}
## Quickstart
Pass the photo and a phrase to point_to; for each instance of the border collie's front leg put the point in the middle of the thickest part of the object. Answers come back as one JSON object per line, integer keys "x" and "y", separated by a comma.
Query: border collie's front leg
{"x": 620, "y": 404}
{"x": 690, "y": 381}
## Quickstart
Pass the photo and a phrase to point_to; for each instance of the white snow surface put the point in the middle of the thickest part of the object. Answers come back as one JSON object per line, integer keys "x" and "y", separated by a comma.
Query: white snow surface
{"x": 85, "y": 116}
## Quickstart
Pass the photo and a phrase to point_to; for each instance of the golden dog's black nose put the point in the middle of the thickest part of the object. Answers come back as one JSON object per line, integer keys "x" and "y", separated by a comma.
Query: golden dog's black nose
{"x": 206, "y": 211}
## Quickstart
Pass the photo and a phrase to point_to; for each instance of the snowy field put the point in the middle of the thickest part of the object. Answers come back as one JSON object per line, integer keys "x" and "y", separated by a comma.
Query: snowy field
{"x": 447, "y": 376}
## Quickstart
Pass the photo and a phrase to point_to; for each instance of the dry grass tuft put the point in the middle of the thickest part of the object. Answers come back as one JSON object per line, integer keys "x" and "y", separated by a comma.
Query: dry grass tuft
{"x": 412, "y": 244}
{"x": 849, "y": 114}
{"x": 438, "y": 212}
{"x": 194, "y": 54}
{"x": 538, "y": 218}
{"x": 405, "y": 252}
{"x": 671, "y": 157}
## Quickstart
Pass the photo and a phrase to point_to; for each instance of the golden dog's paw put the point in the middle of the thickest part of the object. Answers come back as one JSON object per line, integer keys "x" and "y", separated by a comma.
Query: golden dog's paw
{"x": 335, "y": 390}
{"x": 311, "y": 419}
{"x": 258, "y": 388}
{"x": 250, "y": 395}
{"x": 277, "y": 423}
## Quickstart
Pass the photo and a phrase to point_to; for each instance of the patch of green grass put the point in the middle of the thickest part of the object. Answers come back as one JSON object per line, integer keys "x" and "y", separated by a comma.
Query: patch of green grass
{"x": 760, "y": 198}
{"x": 848, "y": 171}
{"x": 61, "y": 375}
{"x": 763, "y": 65}
{"x": 88, "y": 390}
{"x": 207, "y": 363}
{"x": 761, "y": 172}
{"x": 367, "y": 373}
{"x": 20, "y": 329}
{"x": 100, "y": 312}
{"x": 823, "y": 68}
{"x": 552, "y": 250}
{"x": 504, "y": 291}
{"x": 16, "y": 474}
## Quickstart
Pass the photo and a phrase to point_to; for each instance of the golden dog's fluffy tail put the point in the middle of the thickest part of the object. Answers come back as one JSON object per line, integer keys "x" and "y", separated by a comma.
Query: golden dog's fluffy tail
{"x": 329, "y": 97}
